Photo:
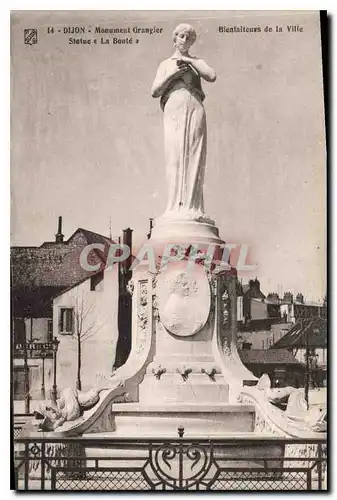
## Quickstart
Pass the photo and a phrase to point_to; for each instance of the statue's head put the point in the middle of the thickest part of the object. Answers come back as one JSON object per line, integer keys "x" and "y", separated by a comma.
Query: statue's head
{"x": 184, "y": 36}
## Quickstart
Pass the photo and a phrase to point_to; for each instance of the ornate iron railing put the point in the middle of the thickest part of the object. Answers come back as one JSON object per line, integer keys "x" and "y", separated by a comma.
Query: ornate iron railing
{"x": 19, "y": 422}
{"x": 89, "y": 463}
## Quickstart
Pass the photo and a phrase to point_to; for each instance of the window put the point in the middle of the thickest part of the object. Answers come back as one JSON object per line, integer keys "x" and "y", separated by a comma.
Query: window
{"x": 19, "y": 331}
{"x": 240, "y": 308}
{"x": 67, "y": 320}
{"x": 50, "y": 329}
{"x": 19, "y": 382}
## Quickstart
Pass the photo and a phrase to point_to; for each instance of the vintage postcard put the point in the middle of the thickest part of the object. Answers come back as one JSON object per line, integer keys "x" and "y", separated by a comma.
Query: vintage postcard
{"x": 168, "y": 250}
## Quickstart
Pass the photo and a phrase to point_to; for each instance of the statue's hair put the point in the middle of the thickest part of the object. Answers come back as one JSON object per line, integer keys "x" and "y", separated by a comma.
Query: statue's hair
{"x": 185, "y": 27}
{"x": 47, "y": 425}
{"x": 42, "y": 413}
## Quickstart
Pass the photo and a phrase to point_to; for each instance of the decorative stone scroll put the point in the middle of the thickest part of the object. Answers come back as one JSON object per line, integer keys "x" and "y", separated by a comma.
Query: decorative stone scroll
{"x": 261, "y": 424}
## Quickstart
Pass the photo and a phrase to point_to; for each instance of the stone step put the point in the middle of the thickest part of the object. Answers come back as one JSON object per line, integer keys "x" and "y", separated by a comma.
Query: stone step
{"x": 136, "y": 419}
{"x": 182, "y": 407}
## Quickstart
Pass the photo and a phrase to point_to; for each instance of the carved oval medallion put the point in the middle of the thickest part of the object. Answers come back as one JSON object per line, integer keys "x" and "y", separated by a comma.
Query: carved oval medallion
{"x": 184, "y": 298}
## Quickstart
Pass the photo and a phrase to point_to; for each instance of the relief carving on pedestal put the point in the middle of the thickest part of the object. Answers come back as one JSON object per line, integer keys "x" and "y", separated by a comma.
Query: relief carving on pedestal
{"x": 158, "y": 371}
{"x": 142, "y": 315}
{"x": 183, "y": 299}
{"x": 212, "y": 278}
{"x": 225, "y": 308}
{"x": 225, "y": 319}
{"x": 184, "y": 372}
{"x": 130, "y": 286}
{"x": 155, "y": 309}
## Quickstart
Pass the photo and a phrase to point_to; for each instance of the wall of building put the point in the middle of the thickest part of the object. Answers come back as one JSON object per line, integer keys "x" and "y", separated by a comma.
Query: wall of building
{"x": 239, "y": 308}
{"x": 279, "y": 375}
{"x": 264, "y": 339}
{"x": 100, "y": 310}
{"x": 321, "y": 358}
{"x": 37, "y": 329}
{"x": 288, "y": 309}
{"x": 35, "y": 367}
{"x": 258, "y": 309}
{"x": 295, "y": 311}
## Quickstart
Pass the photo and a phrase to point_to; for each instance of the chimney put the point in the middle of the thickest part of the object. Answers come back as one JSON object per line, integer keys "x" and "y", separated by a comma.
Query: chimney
{"x": 254, "y": 284}
{"x": 300, "y": 298}
{"x": 127, "y": 240}
{"x": 273, "y": 297}
{"x": 151, "y": 226}
{"x": 59, "y": 236}
{"x": 288, "y": 298}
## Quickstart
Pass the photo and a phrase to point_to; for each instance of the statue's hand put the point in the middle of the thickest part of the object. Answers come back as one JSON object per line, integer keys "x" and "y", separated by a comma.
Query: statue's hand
{"x": 183, "y": 66}
{"x": 185, "y": 59}
{"x": 186, "y": 64}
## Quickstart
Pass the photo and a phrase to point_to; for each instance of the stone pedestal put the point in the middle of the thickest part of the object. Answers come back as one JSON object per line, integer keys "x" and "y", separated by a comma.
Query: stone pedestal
{"x": 184, "y": 231}
{"x": 199, "y": 419}
{"x": 184, "y": 370}
{"x": 184, "y": 367}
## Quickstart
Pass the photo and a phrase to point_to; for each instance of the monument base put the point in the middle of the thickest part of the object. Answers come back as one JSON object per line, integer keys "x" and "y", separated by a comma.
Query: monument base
{"x": 182, "y": 231}
{"x": 135, "y": 420}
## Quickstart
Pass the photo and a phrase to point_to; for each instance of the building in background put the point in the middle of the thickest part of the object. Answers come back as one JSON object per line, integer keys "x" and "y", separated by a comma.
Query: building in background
{"x": 252, "y": 309}
{"x": 38, "y": 274}
{"x": 269, "y": 323}
{"x": 85, "y": 322}
{"x": 281, "y": 366}
{"x": 260, "y": 323}
{"x": 292, "y": 309}
{"x": 307, "y": 342}
{"x": 263, "y": 320}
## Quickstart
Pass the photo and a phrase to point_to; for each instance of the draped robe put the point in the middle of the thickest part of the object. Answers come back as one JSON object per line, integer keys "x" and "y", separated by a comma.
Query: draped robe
{"x": 185, "y": 135}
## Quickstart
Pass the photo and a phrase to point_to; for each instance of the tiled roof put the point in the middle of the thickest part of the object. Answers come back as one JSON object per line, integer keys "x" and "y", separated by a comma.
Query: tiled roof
{"x": 55, "y": 264}
{"x": 256, "y": 294}
{"x": 275, "y": 302}
{"x": 253, "y": 292}
{"x": 39, "y": 273}
{"x": 311, "y": 332}
{"x": 92, "y": 237}
{"x": 268, "y": 356}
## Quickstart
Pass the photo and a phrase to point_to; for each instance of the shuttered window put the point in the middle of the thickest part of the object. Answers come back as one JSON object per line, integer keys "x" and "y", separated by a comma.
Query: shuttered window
{"x": 67, "y": 320}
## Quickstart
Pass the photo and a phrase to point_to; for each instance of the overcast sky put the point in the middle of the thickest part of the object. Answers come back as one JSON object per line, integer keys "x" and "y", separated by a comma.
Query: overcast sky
{"x": 87, "y": 137}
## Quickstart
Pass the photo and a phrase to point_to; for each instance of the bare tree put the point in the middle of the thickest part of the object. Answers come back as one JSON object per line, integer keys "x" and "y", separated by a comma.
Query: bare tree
{"x": 84, "y": 328}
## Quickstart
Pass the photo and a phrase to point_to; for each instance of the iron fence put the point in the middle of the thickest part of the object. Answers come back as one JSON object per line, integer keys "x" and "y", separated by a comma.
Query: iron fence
{"x": 20, "y": 421}
{"x": 110, "y": 464}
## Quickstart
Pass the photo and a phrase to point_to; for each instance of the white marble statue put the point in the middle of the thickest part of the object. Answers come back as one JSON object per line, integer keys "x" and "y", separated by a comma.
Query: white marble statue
{"x": 178, "y": 84}
{"x": 71, "y": 404}
{"x": 277, "y": 395}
